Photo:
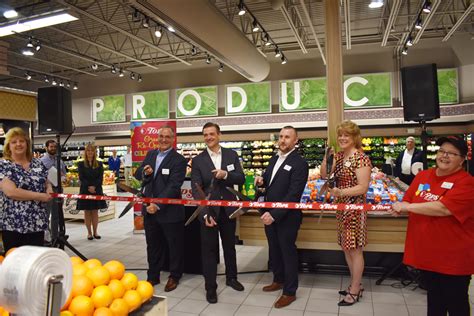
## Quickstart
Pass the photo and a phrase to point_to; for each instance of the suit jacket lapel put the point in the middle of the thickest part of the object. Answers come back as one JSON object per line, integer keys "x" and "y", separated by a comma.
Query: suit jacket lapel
{"x": 208, "y": 160}
{"x": 282, "y": 166}
{"x": 163, "y": 163}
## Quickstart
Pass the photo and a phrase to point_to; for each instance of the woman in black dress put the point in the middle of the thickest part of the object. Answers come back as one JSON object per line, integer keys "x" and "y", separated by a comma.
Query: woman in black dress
{"x": 91, "y": 173}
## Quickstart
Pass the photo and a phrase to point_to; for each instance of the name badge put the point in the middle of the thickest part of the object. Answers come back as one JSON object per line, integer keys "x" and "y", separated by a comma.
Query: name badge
{"x": 287, "y": 167}
{"x": 347, "y": 164}
{"x": 165, "y": 171}
{"x": 447, "y": 185}
{"x": 230, "y": 167}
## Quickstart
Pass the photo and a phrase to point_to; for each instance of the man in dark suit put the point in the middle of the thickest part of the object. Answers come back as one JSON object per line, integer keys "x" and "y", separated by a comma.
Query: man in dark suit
{"x": 163, "y": 172}
{"x": 284, "y": 181}
{"x": 406, "y": 159}
{"x": 221, "y": 166}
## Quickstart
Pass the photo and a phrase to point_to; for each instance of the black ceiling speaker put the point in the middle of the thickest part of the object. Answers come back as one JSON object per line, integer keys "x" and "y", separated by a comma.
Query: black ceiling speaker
{"x": 420, "y": 93}
{"x": 54, "y": 110}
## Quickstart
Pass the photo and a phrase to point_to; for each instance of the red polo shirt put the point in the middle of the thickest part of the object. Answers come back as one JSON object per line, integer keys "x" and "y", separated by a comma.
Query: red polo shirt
{"x": 443, "y": 244}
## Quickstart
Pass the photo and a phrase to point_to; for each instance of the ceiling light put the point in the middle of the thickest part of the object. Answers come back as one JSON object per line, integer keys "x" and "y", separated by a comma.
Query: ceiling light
{"x": 121, "y": 73}
{"x": 113, "y": 69}
{"x": 255, "y": 26}
{"x": 27, "y": 75}
{"x": 94, "y": 66}
{"x": 221, "y": 67}
{"x": 46, "y": 79}
{"x": 194, "y": 51}
{"x": 208, "y": 59}
{"x": 136, "y": 16}
{"x": 146, "y": 22}
{"x": 132, "y": 76}
{"x": 10, "y": 14}
{"x": 158, "y": 31}
{"x": 139, "y": 78}
{"x": 374, "y": 4}
{"x": 266, "y": 39}
{"x": 277, "y": 52}
{"x": 37, "y": 45}
{"x": 405, "y": 51}
{"x": 171, "y": 29}
{"x": 75, "y": 86}
{"x": 283, "y": 60}
{"x": 409, "y": 41}
{"x": 68, "y": 84}
{"x": 28, "y": 50}
{"x": 427, "y": 6}
{"x": 418, "y": 24}
{"x": 54, "y": 82}
{"x": 61, "y": 83}
{"x": 241, "y": 8}
{"x": 36, "y": 22}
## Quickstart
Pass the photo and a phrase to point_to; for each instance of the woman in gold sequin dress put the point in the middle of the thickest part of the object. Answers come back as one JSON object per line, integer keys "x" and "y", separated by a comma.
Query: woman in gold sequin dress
{"x": 352, "y": 172}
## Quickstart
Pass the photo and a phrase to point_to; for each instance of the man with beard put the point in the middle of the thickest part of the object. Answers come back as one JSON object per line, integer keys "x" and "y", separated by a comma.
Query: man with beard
{"x": 49, "y": 160}
{"x": 284, "y": 180}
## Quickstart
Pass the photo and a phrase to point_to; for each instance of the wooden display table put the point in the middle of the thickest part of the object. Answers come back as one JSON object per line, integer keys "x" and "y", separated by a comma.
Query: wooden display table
{"x": 69, "y": 205}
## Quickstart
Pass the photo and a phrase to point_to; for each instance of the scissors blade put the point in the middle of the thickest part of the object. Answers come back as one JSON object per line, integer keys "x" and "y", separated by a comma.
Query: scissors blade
{"x": 127, "y": 208}
{"x": 201, "y": 196}
{"x": 238, "y": 194}
{"x": 240, "y": 211}
{"x": 195, "y": 214}
{"x": 129, "y": 189}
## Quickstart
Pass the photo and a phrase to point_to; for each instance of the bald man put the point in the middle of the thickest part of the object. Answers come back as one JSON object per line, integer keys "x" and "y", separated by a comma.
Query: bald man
{"x": 406, "y": 159}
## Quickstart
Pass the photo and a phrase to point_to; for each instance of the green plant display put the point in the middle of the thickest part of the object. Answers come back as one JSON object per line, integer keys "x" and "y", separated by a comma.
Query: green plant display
{"x": 208, "y": 97}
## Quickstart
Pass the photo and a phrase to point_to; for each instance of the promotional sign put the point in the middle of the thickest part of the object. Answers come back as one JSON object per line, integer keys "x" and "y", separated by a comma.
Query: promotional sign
{"x": 196, "y": 102}
{"x": 448, "y": 86}
{"x": 150, "y": 105}
{"x": 108, "y": 109}
{"x": 248, "y": 98}
{"x": 144, "y": 137}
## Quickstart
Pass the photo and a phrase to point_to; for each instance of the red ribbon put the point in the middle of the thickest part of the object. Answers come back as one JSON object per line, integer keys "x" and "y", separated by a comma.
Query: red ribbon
{"x": 371, "y": 208}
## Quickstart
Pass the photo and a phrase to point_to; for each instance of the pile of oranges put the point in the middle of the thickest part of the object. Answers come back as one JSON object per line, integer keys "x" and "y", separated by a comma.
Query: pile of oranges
{"x": 104, "y": 290}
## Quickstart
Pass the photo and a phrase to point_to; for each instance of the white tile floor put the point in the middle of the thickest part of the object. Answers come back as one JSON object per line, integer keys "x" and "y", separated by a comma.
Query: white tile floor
{"x": 316, "y": 296}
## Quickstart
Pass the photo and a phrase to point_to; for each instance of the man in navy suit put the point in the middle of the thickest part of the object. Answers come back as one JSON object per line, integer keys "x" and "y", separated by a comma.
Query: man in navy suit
{"x": 163, "y": 172}
{"x": 284, "y": 181}
{"x": 221, "y": 166}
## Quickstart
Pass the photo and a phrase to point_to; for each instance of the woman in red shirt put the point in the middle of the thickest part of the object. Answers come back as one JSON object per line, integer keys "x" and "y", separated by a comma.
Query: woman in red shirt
{"x": 440, "y": 233}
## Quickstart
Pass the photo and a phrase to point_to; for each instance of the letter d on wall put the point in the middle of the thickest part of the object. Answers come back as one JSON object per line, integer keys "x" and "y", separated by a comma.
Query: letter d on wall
{"x": 243, "y": 102}
{"x": 97, "y": 106}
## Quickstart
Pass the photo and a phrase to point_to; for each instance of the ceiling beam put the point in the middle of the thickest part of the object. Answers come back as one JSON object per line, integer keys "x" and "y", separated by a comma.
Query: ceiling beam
{"x": 459, "y": 22}
{"x": 130, "y": 35}
{"x": 347, "y": 22}
{"x": 394, "y": 10}
{"x": 289, "y": 19}
{"x": 427, "y": 20}
{"x": 311, "y": 26}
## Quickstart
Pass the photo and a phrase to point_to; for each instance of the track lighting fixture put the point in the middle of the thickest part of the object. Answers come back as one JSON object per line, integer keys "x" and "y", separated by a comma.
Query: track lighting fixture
{"x": 221, "y": 67}
{"x": 405, "y": 51}
{"x": 409, "y": 41}
{"x": 283, "y": 59}
{"x": 132, "y": 76}
{"x": 94, "y": 66}
{"x": 75, "y": 86}
{"x": 418, "y": 24}
{"x": 68, "y": 84}
{"x": 146, "y": 22}
{"x": 266, "y": 39}
{"x": 171, "y": 29}
{"x": 54, "y": 82}
{"x": 136, "y": 16}
{"x": 208, "y": 59}
{"x": 158, "y": 31}
{"x": 46, "y": 79}
{"x": 121, "y": 73}
{"x": 28, "y": 50}
{"x": 277, "y": 52}
{"x": 113, "y": 69}
{"x": 139, "y": 78}
{"x": 37, "y": 45}
{"x": 255, "y": 26}
{"x": 194, "y": 51}
{"x": 27, "y": 75}
{"x": 10, "y": 14}
{"x": 374, "y": 4}
{"x": 61, "y": 83}
{"x": 427, "y": 6}
{"x": 241, "y": 8}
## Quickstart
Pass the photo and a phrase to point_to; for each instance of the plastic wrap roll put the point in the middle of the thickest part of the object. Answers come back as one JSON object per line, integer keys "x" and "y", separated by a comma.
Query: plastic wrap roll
{"x": 24, "y": 277}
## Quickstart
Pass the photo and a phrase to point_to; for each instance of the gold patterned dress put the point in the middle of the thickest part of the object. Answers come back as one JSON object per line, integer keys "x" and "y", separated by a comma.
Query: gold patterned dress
{"x": 351, "y": 224}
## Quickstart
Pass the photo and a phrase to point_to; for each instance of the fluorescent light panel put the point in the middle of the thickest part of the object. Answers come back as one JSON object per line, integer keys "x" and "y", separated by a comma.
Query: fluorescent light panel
{"x": 36, "y": 22}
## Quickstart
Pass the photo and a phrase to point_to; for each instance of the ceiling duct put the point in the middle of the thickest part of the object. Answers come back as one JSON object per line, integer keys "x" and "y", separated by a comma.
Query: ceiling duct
{"x": 205, "y": 26}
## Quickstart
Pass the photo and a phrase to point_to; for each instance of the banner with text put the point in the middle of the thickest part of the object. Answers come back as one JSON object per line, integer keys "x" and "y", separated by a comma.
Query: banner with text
{"x": 150, "y": 105}
{"x": 108, "y": 109}
{"x": 248, "y": 98}
{"x": 196, "y": 102}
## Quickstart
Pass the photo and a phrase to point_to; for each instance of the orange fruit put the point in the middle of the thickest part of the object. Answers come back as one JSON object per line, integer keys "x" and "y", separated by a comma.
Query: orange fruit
{"x": 76, "y": 260}
{"x": 133, "y": 299}
{"x": 103, "y": 311}
{"x": 66, "y": 313}
{"x": 138, "y": 223}
{"x": 68, "y": 301}
{"x": 145, "y": 289}
{"x": 81, "y": 285}
{"x": 102, "y": 296}
{"x": 82, "y": 305}
{"x": 130, "y": 281}
{"x": 79, "y": 269}
{"x": 117, "y": 288}
{"x": 10, "y": 251}
{"x": 116, "y": 269}
{"x": 2, "y": 258}
{"x": 119, "y": 307}
{"x": 99, "y": 276}
{"x": 92, "y": 263}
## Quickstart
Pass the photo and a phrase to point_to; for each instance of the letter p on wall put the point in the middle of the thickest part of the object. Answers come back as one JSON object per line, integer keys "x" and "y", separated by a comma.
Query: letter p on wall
{"x": 97, "y": 106}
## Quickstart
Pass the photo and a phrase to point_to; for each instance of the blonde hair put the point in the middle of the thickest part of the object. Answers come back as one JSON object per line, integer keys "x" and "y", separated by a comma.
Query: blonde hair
{"x": 352, "y": 129}
{"x": 16, "y": 132}
{"x": 95, "y": 163}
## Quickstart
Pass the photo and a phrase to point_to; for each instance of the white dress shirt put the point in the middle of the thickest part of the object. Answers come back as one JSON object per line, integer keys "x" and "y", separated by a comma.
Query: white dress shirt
{"x": 216, "y": 157}
{"x": 279, "y": 162}
{"x": 406, "y": 161}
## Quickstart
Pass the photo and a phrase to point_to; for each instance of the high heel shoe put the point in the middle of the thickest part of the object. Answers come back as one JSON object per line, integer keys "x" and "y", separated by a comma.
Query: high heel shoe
{"x": 355, "y": 299}
{"x": 344, "y": 292}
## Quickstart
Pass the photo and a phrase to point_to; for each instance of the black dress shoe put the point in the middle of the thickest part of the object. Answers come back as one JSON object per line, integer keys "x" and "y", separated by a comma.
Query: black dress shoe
{"x": 211, "y": 296}
{"x": 236, "y": 285}
{"x": 154, "y": 282}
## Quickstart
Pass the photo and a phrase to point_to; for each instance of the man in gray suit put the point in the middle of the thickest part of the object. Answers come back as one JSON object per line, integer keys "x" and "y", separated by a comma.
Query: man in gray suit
{"x": 163, "y": 172}
{"x": 213, "y": 170}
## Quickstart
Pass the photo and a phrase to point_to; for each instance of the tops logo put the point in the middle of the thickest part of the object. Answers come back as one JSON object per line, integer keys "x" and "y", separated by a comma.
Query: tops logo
{"x": 149, "y": 131}
{"x": 422, "y": 187}
{"x": 424, "y": 192}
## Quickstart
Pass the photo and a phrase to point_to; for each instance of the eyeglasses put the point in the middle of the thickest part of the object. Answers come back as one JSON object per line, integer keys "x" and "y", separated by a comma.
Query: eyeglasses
{"x": 443, "y": 152}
